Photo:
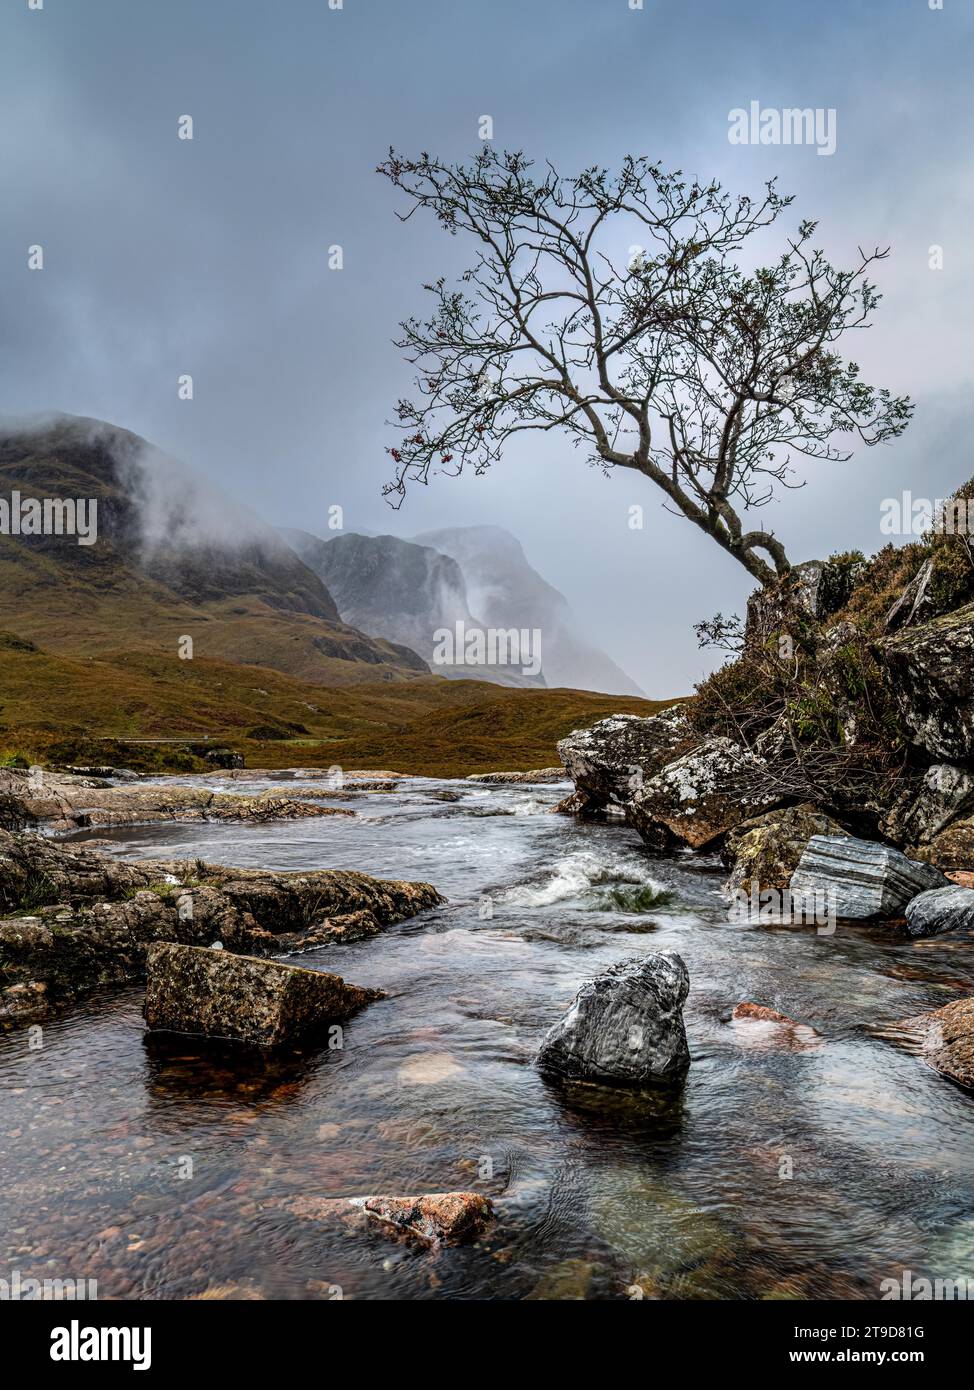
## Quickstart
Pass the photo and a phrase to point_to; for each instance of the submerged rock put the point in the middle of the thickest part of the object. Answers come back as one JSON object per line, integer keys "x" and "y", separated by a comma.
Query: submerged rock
{"x": 702, "y": 795}
{"x": 760, "y": 1013}
{"x": 625, "y": 1026}
{"x": 861, "y": 878}
{"x": 214, "y": 994}
{"x": 437, "y": 1218}
{"x": 610, "y": 761}
{"x": 765, "y": 852}
{"x": 939, "y": 910}
{"x": 946, "y": 1038}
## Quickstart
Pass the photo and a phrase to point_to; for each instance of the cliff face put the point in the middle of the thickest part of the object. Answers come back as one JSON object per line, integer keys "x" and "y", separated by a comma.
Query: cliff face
{"x": 173, "y": 556}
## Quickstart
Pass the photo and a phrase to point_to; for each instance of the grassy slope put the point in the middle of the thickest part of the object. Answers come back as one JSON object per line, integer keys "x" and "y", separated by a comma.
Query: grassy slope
{"x": 53, "y": 704}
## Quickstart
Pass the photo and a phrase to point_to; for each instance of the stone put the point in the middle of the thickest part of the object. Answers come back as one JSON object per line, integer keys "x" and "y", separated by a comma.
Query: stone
{"x": 214, "y": 994}
{"x": 930, "y": 673}
{"x": 431, "y": 1220}
{"x": 538, "y": 774}
{"x": 952, "y": 848}
{"x": 939, "y": 910}
{"x": 610, "y": 761}
{"x": 624, "y": 1027}
{"x": 764, "y": 853}
{"x": 913, "y": 602}
{"x": 861, "y": 878}
{"x": 703, "y": 794}
{"x": 760, "y": 1013}
{"x": 946, "y": 1039}
{"x": 923, "y": 810}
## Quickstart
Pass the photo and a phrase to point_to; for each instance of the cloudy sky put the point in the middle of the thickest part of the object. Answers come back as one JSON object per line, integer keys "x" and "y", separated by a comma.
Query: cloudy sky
{"x": 210, "y": 257}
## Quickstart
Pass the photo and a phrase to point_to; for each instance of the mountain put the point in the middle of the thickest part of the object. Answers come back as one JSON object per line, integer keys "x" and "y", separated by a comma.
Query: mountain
{"x": 174, "y": 557}
{"x": 504, "y": 589}
{"x": 405, "y": 592}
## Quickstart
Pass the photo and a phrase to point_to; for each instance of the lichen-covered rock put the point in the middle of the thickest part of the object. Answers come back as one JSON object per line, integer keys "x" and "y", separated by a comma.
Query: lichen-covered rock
{"x": 946, "y": 1038}
{"x": 861, "y": 878}
{"x": 437, "y": 1218}
{"x": 939, "y": 910}
{"x": 625, "y": 1026}
{"x": 214, "y": 994}
{"x": 952, "y": 848}
{"x": 610, "y": 761}
{"x": 87, "y": 919}
{"x": 705, "y": 793}
{"x": 930, "y": 673}
{"x": 926, "y": 808}
{"x": 765, "y": 852}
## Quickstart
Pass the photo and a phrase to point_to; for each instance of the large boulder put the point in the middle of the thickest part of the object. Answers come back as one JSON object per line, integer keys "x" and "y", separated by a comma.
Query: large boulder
{"x": 930, "y": 673}
{"x": 939, "y": 910}
{"x": 625, "y": 1026}
{"x": 861, "y": 878}
{"x": 923, "y": 810}
{"x": 764, "y": 853}
{"x": 702, "y": 795}
{"x": 946, "y": 1038}
{"x": 952, "y": 848}
{"x": 610, "y": 761}
{"x": 213, "y": 994}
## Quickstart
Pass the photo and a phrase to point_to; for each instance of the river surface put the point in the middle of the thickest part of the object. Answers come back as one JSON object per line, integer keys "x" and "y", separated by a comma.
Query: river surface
{"x": 795, "y": 1163}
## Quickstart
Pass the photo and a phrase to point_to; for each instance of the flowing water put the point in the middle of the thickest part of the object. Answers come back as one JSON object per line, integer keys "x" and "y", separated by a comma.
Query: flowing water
{"x": 794, "y": 1163}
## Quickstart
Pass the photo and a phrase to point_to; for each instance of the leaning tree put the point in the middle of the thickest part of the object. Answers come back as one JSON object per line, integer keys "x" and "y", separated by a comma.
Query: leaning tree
{"x": 615, "y": 309}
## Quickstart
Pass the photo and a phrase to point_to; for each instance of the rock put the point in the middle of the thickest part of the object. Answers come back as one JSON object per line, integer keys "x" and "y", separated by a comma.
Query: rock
{"x": 952, "y": 848}
{"x": 577, "y": 804}
{"x": 539, "y": 774}
{"x": 437, "y": 1218}
{"x": 913, "y": 602}
{"x": 922, "y": 811}
{"x": 214, "y": 994}
{"x": 930, "y": 674}
{"x": 946, "y": 1038}
{"x": 705, "y": 793}
{"x": 223, "y": 757}
{"x": 93, "y": 917}
{"x": 625, "y": 1026}
{"x": 814, "y": 589}
{"x": 761, "y": 1014}
{"x": 764, "y": 853}
{"x": 939, "y": 910}
{"x": 861, "y": 878}
{"x": 611, "y": 760}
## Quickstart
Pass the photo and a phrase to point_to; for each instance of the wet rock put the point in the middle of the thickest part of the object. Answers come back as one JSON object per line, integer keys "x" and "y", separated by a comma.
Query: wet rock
{"x": 861, "y": 878}
{"x": 764, "y": 853}
{"x": 702, "y": 795}
{"x": 939, "y": 910}
{"x": 214, "y": 994}
{"x": 539, "y": 774}
{"x": 926, "y": 808}
{"x": 761, "y": 1013}
{"x": 946, "y": 1038}
{"x": 930, "y": 674}
{"x": 88, "y": 919}
{"x": 610, "y": 761}
{"x": 437, "y": 1218}
{"x": 625, "y": 1026}
{"x": 577, "y": 804}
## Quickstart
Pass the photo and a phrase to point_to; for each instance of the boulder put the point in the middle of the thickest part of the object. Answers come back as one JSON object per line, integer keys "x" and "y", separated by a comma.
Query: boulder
{"x": 930, "y": 673}
{"x": 946, "y": 1038}
{"x": 214, "y": 994}
{"x": 939, "y": 910}
{"x": 952, "y": 848}
{"x": 437, "y": 1218}
{"x": 913, "y": 603}
{"x": 624, "y": 1027}
{"x": 611, "y": 760}
{"x": 861, "y": 878}
{"x": 705, "y": 793}
{"x": 765, "y": 852}
{"x": 923, "y": 810}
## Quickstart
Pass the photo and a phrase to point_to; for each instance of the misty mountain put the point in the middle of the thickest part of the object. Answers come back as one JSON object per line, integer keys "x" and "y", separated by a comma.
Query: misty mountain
{"x": 405, "y": 592}
{"x": 504, "y": 589}
{"x": 174, "y": 557}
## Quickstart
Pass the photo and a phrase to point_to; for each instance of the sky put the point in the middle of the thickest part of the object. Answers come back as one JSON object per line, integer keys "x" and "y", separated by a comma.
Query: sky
{"x": 210, "y": 256}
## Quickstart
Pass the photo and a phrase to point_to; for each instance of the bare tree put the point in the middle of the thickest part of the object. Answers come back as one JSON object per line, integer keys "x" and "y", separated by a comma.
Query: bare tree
{"x": 613, "y": 308}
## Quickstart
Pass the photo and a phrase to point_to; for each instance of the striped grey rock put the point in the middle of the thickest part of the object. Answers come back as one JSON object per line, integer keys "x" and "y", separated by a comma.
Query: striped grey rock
{"x": 625, "y": 1027}
{"x": 939, "y": 910}
{"x": 861, "y": 877}
{"x": 610, "y": 761}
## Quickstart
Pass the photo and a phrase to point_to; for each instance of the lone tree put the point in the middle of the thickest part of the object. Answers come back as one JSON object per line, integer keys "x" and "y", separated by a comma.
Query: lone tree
{"x": 613, "y": 308}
